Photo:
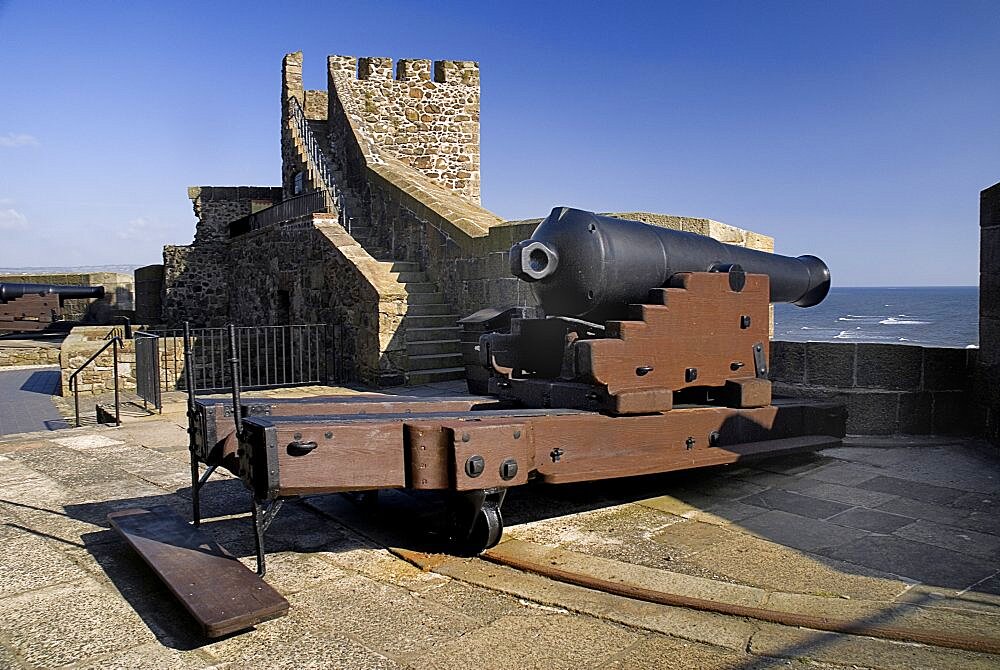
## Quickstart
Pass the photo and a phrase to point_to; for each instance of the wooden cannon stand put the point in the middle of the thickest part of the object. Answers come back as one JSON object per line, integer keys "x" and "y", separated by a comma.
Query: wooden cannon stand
{"x": 682, "y": 385}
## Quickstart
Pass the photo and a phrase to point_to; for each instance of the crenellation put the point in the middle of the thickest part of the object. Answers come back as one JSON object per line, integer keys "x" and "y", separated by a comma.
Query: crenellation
{"x": 413, "y": 69}
{"x": 348, "y": 64}
{"x": 291, "y": 77}
{"x": 373, "y": 68}
{"x": 465, "y": 72}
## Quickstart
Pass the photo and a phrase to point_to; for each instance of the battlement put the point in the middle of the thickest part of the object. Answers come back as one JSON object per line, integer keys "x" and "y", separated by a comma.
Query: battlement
{"x": 371, "y": 68}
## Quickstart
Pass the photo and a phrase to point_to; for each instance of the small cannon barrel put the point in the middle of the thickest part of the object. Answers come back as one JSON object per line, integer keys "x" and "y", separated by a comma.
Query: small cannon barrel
{"x": 584, "y": 265}
{"x": 12, "y": 291}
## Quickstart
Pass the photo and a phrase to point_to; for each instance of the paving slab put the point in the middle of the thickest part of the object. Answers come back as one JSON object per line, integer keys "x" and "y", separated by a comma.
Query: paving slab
{"x": 557, "y": 641}
{"x": 799, "y": 532}
{"x": 871, "y": 520}
{"x": 664, "y": 653}
{"x": 57, "y": 625}
{"x": 843, "y": 472}
{"x": 796, "y": 503}
{"x": 915, "y": 560}
{"x": 968, "y": 542}
{"x": 847, "y": 494}
{"x": 714, "y": 629}
{"x": 906, "y": 488}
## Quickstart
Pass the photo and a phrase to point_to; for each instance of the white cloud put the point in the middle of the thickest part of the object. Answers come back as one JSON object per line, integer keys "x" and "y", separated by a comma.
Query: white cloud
{"x": 11, "y": 219}
{"x": 139, "y": 228}
{"x": 18, "y": 140}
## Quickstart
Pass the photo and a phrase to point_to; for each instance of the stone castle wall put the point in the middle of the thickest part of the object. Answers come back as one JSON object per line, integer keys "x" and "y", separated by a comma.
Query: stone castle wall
{"x": 14, "y": 353}
{"x": 196, "y": 276}
{"x": 987, "y": 379}
{"x": 196, "y": 284}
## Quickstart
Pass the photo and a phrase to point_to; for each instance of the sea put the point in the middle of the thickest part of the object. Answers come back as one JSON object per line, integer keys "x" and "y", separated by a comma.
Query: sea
{"x": 938, "y": 316}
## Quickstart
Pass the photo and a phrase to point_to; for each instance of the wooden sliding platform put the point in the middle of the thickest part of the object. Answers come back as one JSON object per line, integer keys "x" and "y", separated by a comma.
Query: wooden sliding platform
{"x": 222, "y": 594}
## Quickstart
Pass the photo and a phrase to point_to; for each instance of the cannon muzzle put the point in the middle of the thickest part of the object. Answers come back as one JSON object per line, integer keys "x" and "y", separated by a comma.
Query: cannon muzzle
{"x": 12, "y": 291}
{"x": 588, "y": 266}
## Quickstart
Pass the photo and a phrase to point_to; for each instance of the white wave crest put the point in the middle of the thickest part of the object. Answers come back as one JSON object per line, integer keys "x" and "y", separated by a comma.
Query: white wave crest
{"x": 892, "y": 321}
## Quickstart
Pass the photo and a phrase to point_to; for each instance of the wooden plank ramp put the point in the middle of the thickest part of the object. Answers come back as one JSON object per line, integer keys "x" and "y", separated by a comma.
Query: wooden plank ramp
{"x": 222, "y": 594}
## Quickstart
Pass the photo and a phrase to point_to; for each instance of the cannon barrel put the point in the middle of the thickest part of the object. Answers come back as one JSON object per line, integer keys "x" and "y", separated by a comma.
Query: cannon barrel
{"x": 11, "y": 291}
{"x": 588, "y": 266}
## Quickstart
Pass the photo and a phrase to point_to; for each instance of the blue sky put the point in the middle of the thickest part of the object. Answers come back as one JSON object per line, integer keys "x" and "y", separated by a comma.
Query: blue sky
{"x": 861, "y": 132}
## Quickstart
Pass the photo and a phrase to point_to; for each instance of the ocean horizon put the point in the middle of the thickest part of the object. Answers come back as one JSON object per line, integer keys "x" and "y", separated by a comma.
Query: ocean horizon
{"x": 937, "y": 316}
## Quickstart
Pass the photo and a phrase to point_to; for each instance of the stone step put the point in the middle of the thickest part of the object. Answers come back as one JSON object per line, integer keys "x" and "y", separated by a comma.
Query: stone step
{"x": 410, "y": 277}
{"x": 431, "y": 347}
{"x": 422, "y": 334}
{"x": 427, "y": 310}
{"x": 431, "y": 376}
{"x": 435, "y": 361}
{"x": 430, "y": 320}
{"x": 402, "y": 266}
{"x": 420, "y": 287}
{"x": 426, "y": 299}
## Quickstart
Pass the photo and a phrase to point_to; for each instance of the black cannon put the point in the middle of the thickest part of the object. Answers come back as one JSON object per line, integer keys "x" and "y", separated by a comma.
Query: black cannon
{"x": 588, "y": 266}
{"x": 33, "y": 307}
{"x": 10, "y": 292}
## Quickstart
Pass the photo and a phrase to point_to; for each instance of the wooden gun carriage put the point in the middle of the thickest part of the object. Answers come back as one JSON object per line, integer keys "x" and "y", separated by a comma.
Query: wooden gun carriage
{"x": 655, "y": 362}
{"x": 646, "y": 353}
{"x": 36, "y": 307}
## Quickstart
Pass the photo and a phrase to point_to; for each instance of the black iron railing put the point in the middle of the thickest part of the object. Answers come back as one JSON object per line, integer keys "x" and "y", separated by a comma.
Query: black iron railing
{"x": 314, "y": 153}
{"x": 268, "y": 356}
{"x": 74, "y": 386}
{"x": 287, "y": 210}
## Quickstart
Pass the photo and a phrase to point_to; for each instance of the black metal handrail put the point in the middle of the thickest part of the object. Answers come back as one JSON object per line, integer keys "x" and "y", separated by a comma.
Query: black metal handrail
{"x": 286, "y": 210}
{"x": 315, "y": 153}
{"x": 125, "y": 332}
{"x": 75, "y": 388}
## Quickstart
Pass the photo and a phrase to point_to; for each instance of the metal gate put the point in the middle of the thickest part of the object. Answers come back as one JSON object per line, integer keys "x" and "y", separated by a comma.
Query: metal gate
{"x": 267, "y": 357}
{"x": 147, "y": 369}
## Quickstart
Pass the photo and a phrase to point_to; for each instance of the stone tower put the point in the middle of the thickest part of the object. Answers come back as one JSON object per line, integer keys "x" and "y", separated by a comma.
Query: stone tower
{"x": 422, "y": 113}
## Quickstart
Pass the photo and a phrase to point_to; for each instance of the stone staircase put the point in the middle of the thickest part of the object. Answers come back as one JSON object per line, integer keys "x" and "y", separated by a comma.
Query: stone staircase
{"x": 432, "y": 335}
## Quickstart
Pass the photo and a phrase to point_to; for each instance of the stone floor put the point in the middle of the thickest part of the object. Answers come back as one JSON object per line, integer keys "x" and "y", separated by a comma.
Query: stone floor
{"x": 884, "y": 529}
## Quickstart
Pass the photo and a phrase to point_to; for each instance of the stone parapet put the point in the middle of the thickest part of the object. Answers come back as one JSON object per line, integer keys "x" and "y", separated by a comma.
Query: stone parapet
{"x": 888, "y": 388}
{"x": 17, "y": 353}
